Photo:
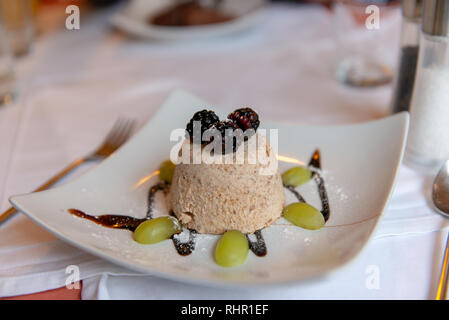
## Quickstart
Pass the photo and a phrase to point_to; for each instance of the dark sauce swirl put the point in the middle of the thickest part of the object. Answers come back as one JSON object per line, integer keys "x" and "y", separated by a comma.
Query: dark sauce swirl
{"x": 162, "y": 186}
{"x": 258, "y": 247}
{"x": 110, "y": 221}
{"x": 314, "y": 165}
{"x": 295, "y": 193}
{"x": 121, "y": 221}
{"x": 184, "y": 248}
{"x": 131, "y": 223}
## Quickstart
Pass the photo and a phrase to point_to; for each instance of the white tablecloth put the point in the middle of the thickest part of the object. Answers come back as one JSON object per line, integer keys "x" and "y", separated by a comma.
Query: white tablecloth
{"x": 75, "y": 84}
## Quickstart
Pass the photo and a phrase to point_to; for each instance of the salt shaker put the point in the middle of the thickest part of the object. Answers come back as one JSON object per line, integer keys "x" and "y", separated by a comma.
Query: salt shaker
{"x": 408, "y": 57}
{"x": 428, "y": 140}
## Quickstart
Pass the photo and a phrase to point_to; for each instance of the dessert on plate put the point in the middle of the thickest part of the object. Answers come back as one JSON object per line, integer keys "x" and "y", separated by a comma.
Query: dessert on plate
{"x": 215, "y": 198}
{"x": 226, "y": 182}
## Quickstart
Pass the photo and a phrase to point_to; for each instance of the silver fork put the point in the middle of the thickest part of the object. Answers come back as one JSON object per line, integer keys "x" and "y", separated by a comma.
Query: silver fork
{"x": 119, "y": 133}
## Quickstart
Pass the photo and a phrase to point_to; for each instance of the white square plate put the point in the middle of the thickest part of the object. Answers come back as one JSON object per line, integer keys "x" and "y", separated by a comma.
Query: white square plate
{"x": 359, "y": 163}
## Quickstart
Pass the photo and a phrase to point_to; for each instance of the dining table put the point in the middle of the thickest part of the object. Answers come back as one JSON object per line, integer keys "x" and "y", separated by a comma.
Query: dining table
{"x": 74, "y": 84}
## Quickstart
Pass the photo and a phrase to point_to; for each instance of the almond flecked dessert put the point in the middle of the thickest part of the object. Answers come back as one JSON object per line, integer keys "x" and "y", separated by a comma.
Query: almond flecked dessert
{"x": 214, "y": 198}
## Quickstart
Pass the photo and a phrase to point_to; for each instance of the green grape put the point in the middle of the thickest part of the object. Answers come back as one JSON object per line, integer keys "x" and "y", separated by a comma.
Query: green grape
{"x": 166, "y": 171}
{"x": 156, "y": 230}
{"x": 232, "y": 249}
{"x": 304, "y": 215}
{"x": 296, "y": 176}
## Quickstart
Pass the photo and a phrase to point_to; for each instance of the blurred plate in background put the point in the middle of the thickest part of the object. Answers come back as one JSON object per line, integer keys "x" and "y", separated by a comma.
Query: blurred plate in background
{"x": 135, "y": 20}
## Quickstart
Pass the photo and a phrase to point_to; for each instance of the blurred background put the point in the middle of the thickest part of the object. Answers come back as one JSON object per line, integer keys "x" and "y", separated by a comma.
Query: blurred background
{"x": 362, "y": 57}
{"x": 69, "y": 69}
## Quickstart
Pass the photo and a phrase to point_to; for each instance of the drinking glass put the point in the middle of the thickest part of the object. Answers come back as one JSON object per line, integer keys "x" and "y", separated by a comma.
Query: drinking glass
{"x": 359, "y": 24}
{"x": 7, "y": 83}
{"x": 17, "y": 19}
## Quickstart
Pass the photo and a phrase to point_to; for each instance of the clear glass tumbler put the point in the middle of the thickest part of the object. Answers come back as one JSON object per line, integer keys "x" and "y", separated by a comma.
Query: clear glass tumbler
{"x": 361, "y": 54}
{"x": 7, "y": 82}
{"x": 17, "y": 20}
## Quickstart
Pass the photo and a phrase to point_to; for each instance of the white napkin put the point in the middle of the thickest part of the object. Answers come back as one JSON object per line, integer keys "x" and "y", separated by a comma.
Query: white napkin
{"x": 79, "y": 82}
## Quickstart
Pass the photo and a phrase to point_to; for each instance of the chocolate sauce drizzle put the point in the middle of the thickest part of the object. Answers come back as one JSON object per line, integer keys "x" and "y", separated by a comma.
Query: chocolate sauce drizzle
{"x": 314, "y": 165}
{"x": 162, "y": 186}
{"x": 187, "y": 247}
{"x": 110, "y": 221}
{"x": 296, "y": 193}
{"x": 258, "y": 247}
{"x": 184, "y": 248}
{"x": 131, "y": 223}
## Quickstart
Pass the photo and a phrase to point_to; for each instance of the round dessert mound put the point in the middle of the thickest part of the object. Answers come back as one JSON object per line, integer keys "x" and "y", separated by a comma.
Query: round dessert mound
{"x": 214, "y": 198}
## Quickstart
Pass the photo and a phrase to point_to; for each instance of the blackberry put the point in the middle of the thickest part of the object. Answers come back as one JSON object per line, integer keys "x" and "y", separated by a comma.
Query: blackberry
{"x": 227, "y": 130}
{"x": 245, "y": 118}
{"x": 207, "y": 118}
